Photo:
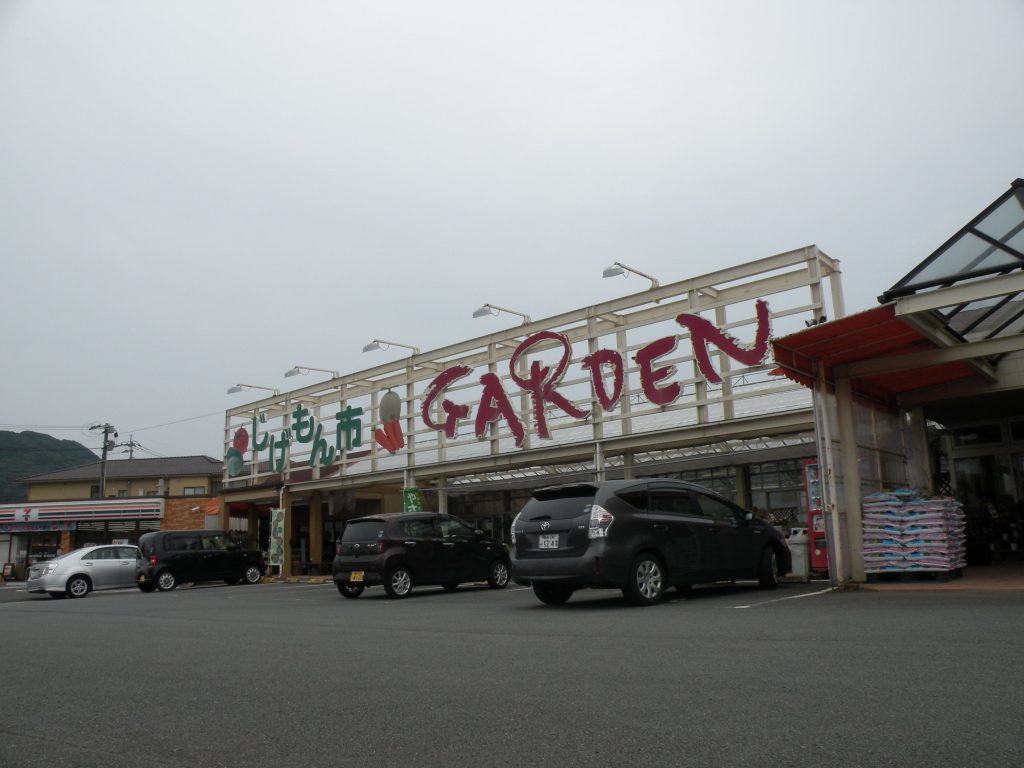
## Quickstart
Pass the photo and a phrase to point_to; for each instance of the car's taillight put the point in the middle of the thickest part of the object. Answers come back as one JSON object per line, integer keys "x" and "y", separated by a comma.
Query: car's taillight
{"x": 152, "y": 560}
{"x": 600, "y": 522}
{"x": 381, "y": 546}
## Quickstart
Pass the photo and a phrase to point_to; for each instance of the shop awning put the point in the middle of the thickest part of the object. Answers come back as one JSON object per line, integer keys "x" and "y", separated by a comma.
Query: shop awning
{"x": 877, "y": 337}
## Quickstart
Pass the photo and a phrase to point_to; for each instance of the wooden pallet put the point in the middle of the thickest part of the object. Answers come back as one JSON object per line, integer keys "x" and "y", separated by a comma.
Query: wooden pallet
{"x": 904, "y": 577}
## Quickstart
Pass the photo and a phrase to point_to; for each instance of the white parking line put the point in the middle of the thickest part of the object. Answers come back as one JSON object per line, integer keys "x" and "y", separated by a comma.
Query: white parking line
{"x": 781, "y": 599}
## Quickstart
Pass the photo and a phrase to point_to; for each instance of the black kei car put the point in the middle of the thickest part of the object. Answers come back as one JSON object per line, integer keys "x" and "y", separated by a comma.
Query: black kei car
{"x": 640, "y": 536}
{"x": 169, "y": 558}
{"x": 400, "y": 550}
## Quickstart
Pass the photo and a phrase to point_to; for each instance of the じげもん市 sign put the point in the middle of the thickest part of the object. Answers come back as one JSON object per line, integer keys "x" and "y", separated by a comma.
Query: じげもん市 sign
{"x": 541, "y": 381}
{"x": 607, "y": 369}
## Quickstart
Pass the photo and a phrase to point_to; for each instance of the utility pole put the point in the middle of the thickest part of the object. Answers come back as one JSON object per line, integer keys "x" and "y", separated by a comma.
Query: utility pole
{"x": 131, "y": 445}
{"x": 108, "y": 429}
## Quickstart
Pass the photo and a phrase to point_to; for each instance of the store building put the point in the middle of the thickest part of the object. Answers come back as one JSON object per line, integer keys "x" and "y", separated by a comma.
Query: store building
{"x": 927, "y": 390}
{"x": 676, "y": 380}
{"x": 64, "y": 509}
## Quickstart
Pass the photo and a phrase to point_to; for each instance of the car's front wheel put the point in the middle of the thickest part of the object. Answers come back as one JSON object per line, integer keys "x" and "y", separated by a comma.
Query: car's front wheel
{"x": 351, "y": 590}
{"x": 252, "y": 575}
{"x": 768, "y": 569}
{"x": 497, "y": 578}
{"x": 78, "y": 586}
{"x": 646, "y": 582}
{"x": 552, "y": 594}
{"x": 398, "y": 582}
{"x": 166, "y": 581}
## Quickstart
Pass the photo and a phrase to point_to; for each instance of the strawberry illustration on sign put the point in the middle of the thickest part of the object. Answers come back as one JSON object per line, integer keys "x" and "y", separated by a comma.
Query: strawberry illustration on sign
{"x": 389, "y": 435}
{"x": 235, "y": 456}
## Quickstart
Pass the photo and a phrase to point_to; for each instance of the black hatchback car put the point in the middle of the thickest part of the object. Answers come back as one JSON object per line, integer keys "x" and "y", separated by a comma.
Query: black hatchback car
{"x": 169, "y": 558}
{"x": 640, "y": 536}
{"x": 404, "y": 549}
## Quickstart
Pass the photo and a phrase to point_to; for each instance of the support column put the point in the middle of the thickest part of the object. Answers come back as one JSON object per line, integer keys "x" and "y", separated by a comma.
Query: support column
{"x": 442, "y": 494}
{"x": 285, "y": 502}
{"x": 254, "y": 527}
{"x": 316, "y": 534}
{"x": 852, "y": 533}
{"x": 223, "y": 515}
{"x": 742, "y": 486}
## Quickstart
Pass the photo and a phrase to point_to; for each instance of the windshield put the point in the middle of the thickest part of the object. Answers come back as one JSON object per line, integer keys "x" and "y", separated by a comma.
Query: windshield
{"x": 558, "y": 508}
{"x": 363, "y": 530}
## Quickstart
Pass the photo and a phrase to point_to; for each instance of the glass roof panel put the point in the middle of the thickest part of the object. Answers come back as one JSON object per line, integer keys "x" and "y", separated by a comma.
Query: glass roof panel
{"x": 1006, "y": 222}
{"x": 990, "y": 244}
{"x": 969, "y": 255}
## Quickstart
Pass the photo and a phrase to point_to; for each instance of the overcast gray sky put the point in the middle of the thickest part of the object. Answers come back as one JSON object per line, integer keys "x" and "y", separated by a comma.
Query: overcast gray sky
{"x": 195, "y": 194}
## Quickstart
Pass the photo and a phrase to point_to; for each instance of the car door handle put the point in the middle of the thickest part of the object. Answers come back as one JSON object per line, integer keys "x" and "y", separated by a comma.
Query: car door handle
{"x": 88, "y": 565}
{"x": 660, "y": 527}
{"x": 409, "y": 543}
{"x": 449, "y": 543}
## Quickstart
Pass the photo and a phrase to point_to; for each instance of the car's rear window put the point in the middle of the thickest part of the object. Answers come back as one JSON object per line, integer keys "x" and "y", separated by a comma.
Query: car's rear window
{"x": 558, "y": 508}
{"x": 363, "y": 530}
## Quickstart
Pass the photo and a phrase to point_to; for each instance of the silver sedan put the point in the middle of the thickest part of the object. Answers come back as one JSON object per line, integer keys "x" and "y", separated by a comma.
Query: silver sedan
{"x": 79, "y": 572}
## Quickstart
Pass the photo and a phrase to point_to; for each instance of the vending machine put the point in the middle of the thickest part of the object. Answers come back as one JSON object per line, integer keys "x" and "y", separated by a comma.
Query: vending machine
{"x": 817, "y": 543}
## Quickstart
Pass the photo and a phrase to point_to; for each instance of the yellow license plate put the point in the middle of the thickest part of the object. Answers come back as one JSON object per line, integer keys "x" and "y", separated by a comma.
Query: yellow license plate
{"x": 356, "y": 576}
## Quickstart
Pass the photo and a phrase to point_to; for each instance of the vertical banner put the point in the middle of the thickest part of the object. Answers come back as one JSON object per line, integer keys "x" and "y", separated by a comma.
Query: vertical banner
{"x": 275, "y": 550}
{"x": 411, "y": 500}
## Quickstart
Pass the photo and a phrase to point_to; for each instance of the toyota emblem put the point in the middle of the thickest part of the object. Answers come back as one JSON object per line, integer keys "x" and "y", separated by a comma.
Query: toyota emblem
{"x": 545, "y": 525}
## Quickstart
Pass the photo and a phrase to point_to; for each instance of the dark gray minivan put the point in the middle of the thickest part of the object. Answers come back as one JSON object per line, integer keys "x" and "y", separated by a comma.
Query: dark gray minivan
{"x": 169, "y": 558}
{"x": 640, "y": 536}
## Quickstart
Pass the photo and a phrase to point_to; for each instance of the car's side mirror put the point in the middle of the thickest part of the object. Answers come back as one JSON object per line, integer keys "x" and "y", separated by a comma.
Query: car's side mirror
{"x": 478, "y": 533}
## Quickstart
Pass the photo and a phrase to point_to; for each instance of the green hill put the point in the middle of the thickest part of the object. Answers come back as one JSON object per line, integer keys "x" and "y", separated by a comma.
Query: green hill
{"x": 23, "y": 454}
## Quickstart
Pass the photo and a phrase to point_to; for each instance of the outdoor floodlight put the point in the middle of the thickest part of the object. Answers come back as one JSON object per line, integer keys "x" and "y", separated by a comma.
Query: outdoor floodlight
{"x": 494, "y": 309}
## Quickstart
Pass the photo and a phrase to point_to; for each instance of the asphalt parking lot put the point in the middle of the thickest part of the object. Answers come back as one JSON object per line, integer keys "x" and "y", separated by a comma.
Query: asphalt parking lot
{"x": 293, "y": 674}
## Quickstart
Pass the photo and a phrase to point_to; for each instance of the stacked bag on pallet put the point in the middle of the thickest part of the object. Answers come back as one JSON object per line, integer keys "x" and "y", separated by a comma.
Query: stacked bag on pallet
{"x": 906, "y": 533}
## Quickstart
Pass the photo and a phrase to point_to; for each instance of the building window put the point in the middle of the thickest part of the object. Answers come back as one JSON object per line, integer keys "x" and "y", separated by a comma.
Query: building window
{"x": 94, "y": 491}
{"x": 194, "y": 490}
{"x": 122, "y": 494}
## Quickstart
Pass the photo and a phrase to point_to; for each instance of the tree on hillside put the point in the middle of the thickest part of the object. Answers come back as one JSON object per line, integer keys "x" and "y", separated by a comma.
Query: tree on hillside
{"x": 23, "y": 454}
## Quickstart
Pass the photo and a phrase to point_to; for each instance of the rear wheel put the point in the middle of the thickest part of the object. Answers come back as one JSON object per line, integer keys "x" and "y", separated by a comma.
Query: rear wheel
{"x": 351, "y": 590}
{"x": 646, "y": 582}
{"x": 252, "y": 575}
{"x": 166, "y": 581}
{"x": 398, "y": 582}
{"x": 498, "y": 576}
{"x": 78, "y": 586}
{"x": 552, "y": 594}
{"x": 768, "y": 569}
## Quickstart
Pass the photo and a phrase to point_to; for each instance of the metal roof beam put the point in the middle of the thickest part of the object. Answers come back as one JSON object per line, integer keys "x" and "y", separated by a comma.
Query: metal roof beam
{"x": 963, "y": 293}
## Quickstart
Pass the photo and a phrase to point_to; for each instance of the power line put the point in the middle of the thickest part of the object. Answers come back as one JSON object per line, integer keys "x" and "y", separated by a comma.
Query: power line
{"x": 179, "y": 421}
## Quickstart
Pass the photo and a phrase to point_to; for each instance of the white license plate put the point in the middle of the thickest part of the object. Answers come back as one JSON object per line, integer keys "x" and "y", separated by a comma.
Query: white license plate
{"x": 548, "y": 541}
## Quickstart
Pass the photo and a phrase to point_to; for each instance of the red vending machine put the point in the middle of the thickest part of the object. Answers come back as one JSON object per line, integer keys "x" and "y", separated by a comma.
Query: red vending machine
{"x": 817, "y": 544}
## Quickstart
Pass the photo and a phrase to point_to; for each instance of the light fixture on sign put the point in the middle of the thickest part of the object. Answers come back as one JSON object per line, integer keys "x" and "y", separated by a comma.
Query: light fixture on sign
{"x": 301, "y": 369}
{"x": 618, "y": 268}
{"x": 494, "y": 309}
{"x": 381, "y": 344}
{"x": 240, "y": 387}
